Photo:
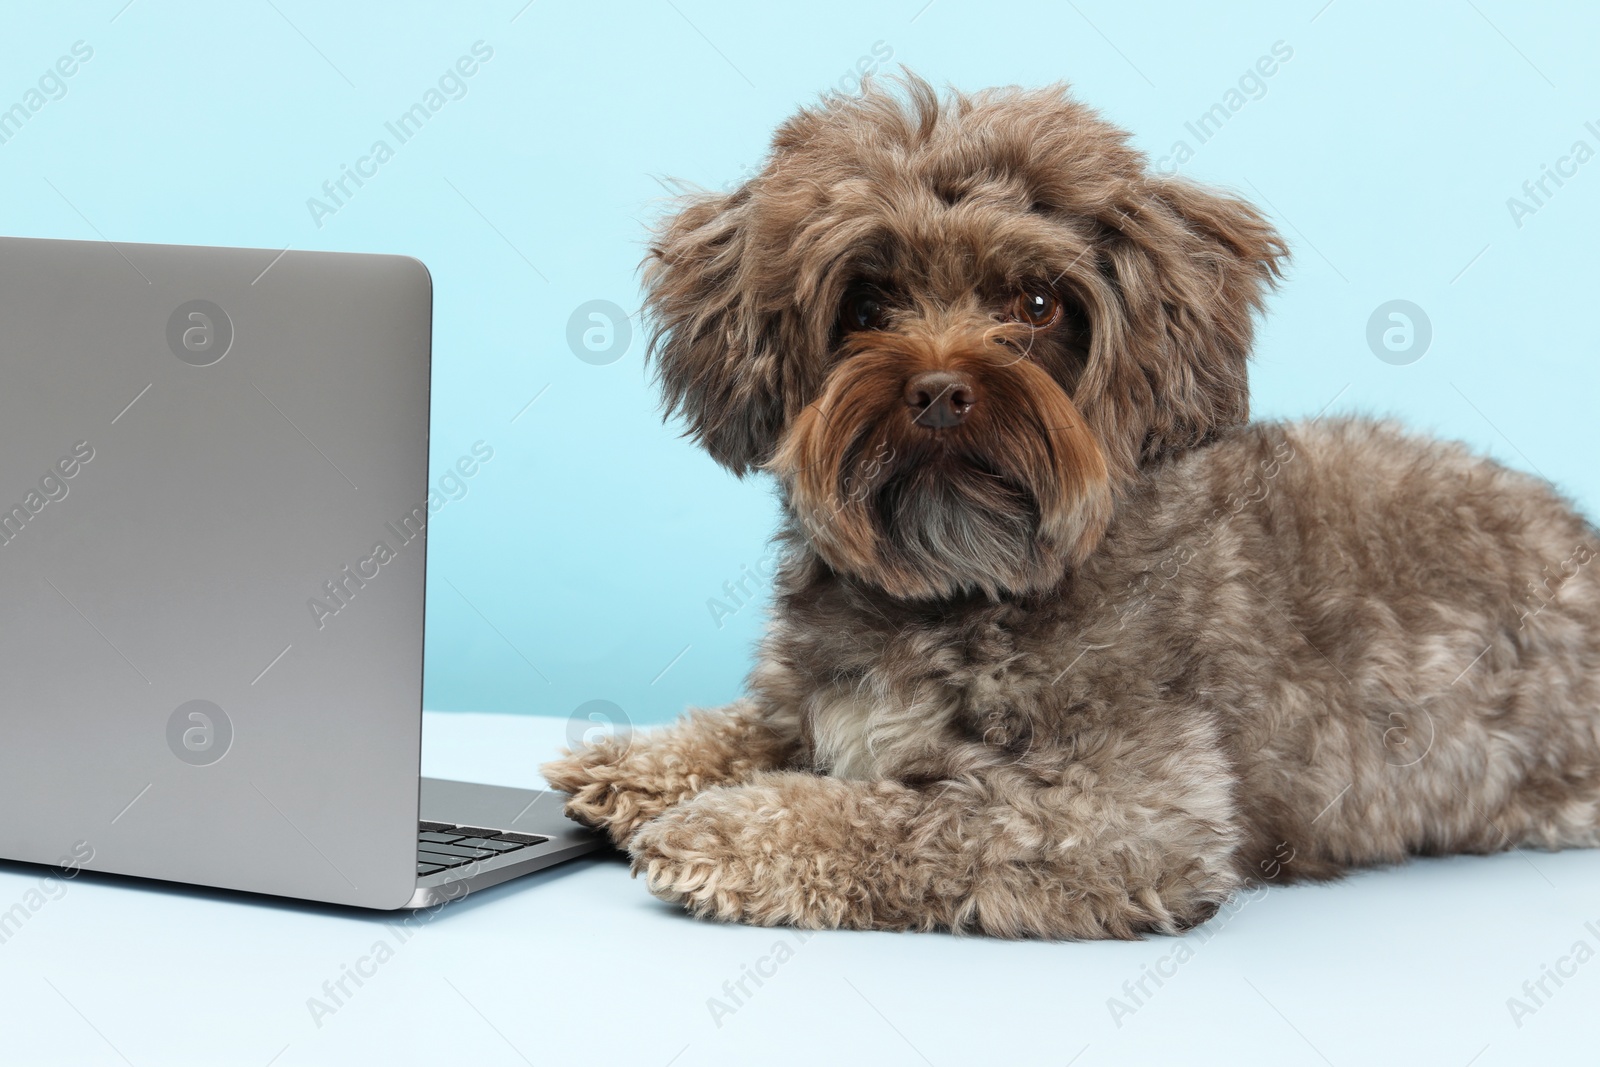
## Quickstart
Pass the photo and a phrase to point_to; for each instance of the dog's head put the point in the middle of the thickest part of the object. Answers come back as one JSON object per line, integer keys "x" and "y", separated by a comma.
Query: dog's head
{"x": 953, "y": 329}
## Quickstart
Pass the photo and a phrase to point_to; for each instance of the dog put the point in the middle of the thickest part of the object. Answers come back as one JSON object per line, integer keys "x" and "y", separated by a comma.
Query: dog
{"x": 1062, "y": 645}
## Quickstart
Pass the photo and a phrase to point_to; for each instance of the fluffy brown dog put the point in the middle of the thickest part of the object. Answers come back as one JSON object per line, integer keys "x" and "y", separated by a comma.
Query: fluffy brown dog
{"x": 1061, "y": 646}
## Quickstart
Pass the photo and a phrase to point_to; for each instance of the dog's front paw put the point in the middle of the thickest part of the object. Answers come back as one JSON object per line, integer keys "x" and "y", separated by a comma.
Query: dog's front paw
{"x": 611, "y": 789}
{"x": 693, "y": 855}
{"x": 623, "y": 781}
{"x": 778, "y": 851}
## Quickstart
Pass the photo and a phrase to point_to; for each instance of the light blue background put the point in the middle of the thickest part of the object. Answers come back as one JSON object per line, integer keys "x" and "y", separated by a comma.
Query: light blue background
{"x": 584, "y": 554}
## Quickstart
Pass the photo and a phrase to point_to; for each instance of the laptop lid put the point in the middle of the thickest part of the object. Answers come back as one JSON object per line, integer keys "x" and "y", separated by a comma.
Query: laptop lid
{"x": 213, "y": 486}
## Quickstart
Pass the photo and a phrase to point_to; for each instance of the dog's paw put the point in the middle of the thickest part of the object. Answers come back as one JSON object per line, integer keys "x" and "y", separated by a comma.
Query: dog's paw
{"x": 694, "y": 856}
{"x": 608, "y": 790}
{"x": 778, "y": 851}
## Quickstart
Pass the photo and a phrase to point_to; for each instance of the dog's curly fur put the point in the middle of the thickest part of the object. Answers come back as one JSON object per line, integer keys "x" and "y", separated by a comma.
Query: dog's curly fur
{"x": 1087, "y": 659}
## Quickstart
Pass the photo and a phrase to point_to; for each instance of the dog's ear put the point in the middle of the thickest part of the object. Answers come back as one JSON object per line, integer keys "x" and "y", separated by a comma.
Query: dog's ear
{"x": 1191, "y": 267}
{"x": 714, "y": 347}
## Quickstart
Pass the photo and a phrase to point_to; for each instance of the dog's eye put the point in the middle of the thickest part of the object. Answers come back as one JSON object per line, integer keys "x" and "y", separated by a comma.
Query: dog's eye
{"x": 862, "y": 311}
{"x": 1036, "y": 307}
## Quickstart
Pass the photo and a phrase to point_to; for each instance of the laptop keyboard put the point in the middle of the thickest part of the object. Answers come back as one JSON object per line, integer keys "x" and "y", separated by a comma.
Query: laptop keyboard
{"x": 441, "y": 846}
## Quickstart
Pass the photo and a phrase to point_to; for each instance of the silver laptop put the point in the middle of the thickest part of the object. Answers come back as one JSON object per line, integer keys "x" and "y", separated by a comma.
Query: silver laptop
{"x": 213, "y": 515}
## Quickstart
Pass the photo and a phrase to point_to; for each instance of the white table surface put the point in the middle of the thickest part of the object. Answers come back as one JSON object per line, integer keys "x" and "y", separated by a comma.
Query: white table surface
{"x": 580, "y": 965}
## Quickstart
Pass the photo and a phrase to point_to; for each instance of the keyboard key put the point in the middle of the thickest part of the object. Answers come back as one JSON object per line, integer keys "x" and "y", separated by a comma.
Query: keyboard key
{"x": 435, "y": 827}
{"x": 474, "y": 831}
{"x": 441, "y": 860}
{"x": 428, "y": 868}
{"x": 438, "y": 838}
{"x": 462, "y": 850}
{"x": 491, "y": 843}
{"x": 521, "y": 839}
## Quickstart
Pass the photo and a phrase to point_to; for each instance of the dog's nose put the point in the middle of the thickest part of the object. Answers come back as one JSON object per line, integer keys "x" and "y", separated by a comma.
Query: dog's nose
{"x": 940, "y": 399}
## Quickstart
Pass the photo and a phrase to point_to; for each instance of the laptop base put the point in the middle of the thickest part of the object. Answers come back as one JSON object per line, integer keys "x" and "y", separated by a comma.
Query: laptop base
{"x": 517, "y": 811}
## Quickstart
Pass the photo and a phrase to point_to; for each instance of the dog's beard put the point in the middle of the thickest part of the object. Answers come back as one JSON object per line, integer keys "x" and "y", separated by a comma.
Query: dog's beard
{"x": 1003, "y": 502}
{"x": 961, "y": 518}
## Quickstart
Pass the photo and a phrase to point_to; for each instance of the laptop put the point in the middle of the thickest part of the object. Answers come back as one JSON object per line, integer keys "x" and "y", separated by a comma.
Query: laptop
{"x": 214, "y": 499}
